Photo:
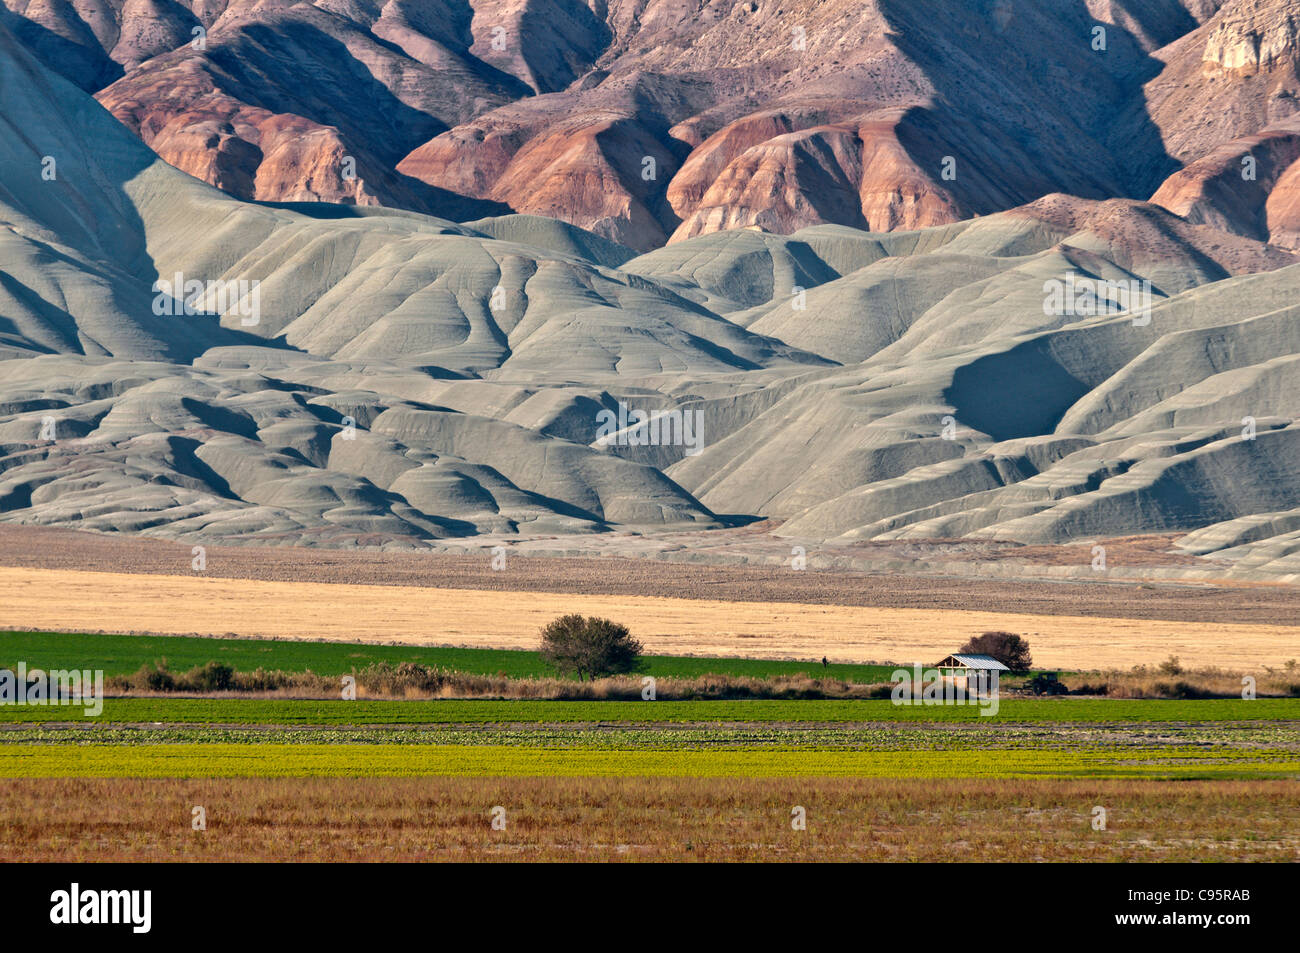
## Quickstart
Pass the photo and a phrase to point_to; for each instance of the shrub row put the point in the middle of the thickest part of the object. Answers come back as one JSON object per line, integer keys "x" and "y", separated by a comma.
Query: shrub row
{"x": 413, "y": 680}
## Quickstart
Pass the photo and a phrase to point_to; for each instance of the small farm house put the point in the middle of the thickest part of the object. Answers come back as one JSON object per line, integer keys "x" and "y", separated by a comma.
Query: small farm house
{"x": 976, "y": 674}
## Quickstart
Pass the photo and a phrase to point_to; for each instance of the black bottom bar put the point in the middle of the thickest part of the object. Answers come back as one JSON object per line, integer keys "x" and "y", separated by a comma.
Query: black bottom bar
{"x": 301, "y": 902}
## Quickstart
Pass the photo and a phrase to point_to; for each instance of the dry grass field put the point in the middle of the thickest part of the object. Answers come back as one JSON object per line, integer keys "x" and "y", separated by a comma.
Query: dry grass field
{"x": 93, "y": 601}
{"x": 615, "y": 575}
{"x": 646, "y": 819}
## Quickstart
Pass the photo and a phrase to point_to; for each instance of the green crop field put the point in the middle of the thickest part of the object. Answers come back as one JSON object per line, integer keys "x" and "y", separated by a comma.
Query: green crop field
{"x": 240, "y": 737}
{"x": 124, "y": 654}
{"x": 391, "y": 760}
{"x": 244, "y": 711}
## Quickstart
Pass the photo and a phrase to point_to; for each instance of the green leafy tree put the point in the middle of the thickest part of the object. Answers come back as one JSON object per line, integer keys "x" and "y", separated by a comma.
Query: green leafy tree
{"x": 589, "y": 647}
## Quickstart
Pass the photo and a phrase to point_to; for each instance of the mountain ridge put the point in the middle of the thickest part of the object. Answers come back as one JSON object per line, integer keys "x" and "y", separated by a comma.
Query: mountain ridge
{"x": 408, "y": 379}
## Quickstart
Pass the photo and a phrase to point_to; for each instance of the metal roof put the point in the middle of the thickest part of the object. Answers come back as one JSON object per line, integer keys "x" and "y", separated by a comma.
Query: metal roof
{"x": 975, "y": 661}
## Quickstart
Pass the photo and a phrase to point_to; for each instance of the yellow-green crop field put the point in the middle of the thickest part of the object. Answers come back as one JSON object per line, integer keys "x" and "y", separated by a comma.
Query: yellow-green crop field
{"x": 273, "y": 759}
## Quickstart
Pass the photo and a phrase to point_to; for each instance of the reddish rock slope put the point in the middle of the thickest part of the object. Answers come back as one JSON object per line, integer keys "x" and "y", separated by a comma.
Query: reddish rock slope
{"x": 650, "y": 121}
